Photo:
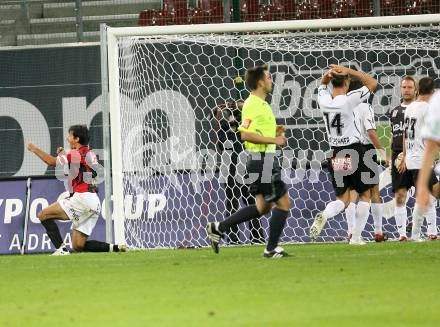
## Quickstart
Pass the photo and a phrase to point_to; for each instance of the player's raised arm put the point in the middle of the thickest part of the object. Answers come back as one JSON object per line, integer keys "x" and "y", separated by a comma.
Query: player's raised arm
{"x": 367, "y": 80}
{"x": 46, "y": 157}
{"x": 327, "y": 77}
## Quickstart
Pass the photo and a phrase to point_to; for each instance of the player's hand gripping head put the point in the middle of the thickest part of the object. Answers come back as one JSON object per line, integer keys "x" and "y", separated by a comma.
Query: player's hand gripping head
{"x": 340, "y": 77}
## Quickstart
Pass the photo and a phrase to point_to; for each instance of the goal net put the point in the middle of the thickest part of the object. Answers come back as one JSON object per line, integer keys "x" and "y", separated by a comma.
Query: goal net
{"x": 173, "y": 95}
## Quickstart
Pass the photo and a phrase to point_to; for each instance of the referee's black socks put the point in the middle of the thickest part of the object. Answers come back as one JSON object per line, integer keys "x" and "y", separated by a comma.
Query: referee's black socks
{"x": 53, "y": 232}
{"x": 242, "y": 215}
{"x": 276, "y": 226}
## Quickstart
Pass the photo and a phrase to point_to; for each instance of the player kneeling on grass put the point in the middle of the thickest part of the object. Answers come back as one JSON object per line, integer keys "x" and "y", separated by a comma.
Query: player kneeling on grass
{"x": 83, "y": 206}
{"x": 261, "y": 135}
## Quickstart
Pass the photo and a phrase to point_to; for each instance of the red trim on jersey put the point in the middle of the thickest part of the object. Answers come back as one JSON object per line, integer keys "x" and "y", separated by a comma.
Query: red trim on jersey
{"x": 80, "y": 174}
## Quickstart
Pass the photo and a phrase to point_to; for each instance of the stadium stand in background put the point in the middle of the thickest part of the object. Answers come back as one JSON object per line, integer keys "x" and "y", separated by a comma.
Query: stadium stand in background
{"x": 212, "y": 11}
{"x": 30, "y": 22}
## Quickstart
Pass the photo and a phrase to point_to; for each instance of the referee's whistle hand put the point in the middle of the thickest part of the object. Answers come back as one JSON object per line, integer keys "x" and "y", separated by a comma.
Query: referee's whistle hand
{"x": 280, "y": 130}
{"x": 281, "y": 140}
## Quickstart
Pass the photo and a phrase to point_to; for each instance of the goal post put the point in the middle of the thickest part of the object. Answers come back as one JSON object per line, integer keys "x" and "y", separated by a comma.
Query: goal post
{"x": 169, "y": 177}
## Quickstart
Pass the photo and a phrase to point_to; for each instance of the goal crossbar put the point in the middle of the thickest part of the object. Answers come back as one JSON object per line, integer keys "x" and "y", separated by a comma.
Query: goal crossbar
{"x": 292, "y": 25}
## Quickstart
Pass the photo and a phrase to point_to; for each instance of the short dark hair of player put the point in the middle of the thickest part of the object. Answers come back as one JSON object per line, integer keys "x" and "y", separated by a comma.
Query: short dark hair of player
{"x": 254, "y": 75}
{"x": 426, "y": 86}
{"x": 355, "y": 84}
{"x": 338, "y": 80}
{"x": 80, "y": 131}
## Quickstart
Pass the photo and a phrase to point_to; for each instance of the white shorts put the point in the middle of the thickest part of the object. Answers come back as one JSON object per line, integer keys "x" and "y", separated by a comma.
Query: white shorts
{"x": 83, "y": 210}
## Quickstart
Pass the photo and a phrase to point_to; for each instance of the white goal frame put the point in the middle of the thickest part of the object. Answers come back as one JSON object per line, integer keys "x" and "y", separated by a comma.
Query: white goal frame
{"x": 109, "y": 39}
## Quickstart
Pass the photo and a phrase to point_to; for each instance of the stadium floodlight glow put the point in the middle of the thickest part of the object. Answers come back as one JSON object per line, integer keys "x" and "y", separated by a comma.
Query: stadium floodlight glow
{"x": 165, "y": 82}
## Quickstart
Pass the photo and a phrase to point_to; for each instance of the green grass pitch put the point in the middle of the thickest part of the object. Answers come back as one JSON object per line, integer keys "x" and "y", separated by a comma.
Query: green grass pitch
{"x": 384, "y": 284}
{"x": 384, "y": 133}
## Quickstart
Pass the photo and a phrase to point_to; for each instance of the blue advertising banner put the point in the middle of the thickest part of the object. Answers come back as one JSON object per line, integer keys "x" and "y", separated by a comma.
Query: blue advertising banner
{"x": 172, "y": 211}
{"x": 166, "y": 212}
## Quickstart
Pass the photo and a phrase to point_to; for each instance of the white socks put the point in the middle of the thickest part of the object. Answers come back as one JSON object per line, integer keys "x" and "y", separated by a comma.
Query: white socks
{"x": 350, "y": 215}
{"x": 376, "y": 212}
{"x": 416, "y": 223}
{"x": 362, "y": 214}
{"x": 333, "y": 208}
{"x": 400, "y": 216}
{"x": 431, "y": 217}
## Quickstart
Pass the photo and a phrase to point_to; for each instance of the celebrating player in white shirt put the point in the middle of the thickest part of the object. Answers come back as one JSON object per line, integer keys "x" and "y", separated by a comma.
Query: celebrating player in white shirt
{"x": 346, "y": 165}
{"x": 414, "y": 146}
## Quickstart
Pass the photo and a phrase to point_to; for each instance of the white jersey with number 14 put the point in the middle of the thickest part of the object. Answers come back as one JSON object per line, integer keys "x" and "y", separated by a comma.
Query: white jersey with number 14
{"x": 338, "y": 114}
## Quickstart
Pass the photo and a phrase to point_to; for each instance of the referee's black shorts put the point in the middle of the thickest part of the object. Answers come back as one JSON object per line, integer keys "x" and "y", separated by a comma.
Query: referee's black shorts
{"x": 264, "y": 172}
{"x": 347, "y": 174}
{"x": 399, "y": 180}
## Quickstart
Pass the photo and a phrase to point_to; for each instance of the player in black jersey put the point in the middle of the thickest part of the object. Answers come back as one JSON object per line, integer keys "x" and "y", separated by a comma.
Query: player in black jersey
{"x": 401, "y": 181}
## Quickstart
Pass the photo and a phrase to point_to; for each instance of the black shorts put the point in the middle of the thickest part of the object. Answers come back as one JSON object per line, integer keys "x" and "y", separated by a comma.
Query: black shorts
{"x": 264, "y": 171}
{"x": 414, "y": 173}
{"x": 399, "y": 180}
{"x": 347, "y": 174}
{"x": 372, "y": 168}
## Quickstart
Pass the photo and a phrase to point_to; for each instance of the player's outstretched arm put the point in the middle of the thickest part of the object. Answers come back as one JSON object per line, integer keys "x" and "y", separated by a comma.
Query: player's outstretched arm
{"x": 46, "y": 157}
{"x": 259, "y": 139}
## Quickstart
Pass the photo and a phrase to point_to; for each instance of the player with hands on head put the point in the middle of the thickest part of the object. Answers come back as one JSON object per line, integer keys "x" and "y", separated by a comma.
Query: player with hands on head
{"x": 346, "y": 165}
